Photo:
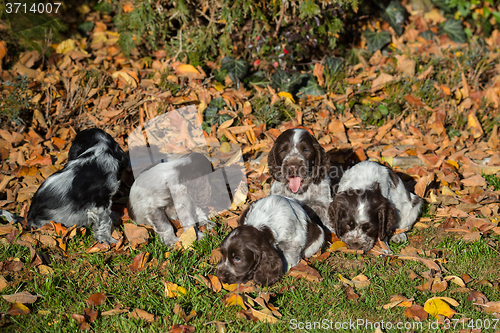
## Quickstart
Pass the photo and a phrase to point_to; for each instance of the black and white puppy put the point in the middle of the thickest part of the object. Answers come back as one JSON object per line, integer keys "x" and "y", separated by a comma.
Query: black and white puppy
{"x": 299, "y": 166}
{"x": 274, "y": 233}
{"x": 371, "y": 202}
{"x": 151, "y": 198}
{"x": 81, "y": 193}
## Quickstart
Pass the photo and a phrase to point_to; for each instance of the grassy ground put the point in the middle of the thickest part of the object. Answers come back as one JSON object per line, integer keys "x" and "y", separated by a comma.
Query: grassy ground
{"x": 78, "y": 274}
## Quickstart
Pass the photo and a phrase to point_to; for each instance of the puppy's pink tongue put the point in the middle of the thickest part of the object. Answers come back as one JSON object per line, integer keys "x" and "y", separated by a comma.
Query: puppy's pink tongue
{"x": 294, "y": 183}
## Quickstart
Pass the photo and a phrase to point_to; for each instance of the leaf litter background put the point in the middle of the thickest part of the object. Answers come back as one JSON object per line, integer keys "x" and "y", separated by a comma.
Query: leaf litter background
{"x": 453, "y": 170}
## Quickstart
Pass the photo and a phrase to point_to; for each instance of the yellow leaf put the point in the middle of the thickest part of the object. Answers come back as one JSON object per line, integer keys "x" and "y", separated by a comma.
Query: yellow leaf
{"x": 345, "y": 280}
{"x": 186, "y": 68}
{"x": 66, "y": 46}
{"x": 226, "y": 124}
{"x": 473, "y": 123}
{"x": 436, "y": 307}
{"x": 455, "y": 279}
{"x": 338, "y": 245}
{"x": 235, "y": 299}
{"x": 219, "y": 86}
{"x": 126, "y": 77}
{"x": 455, "y": 164}
{"x": 447, "y": 191}
{"x": 173, "y": 290}
{"x": 188, "y": 237}
{"x": 229, "y": 287}
{"x": 284, "y": 94}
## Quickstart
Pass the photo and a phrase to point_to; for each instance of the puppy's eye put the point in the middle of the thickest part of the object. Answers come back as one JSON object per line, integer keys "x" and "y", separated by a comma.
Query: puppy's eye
{"x": 366, "y": 227}
{"x": 306, "y": 150}
{"x": 236, "y": 259}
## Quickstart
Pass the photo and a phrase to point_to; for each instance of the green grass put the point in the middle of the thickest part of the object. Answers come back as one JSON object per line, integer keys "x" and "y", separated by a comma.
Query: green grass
{"x": 78, "y": 274}
{"x": 493, "y": 180}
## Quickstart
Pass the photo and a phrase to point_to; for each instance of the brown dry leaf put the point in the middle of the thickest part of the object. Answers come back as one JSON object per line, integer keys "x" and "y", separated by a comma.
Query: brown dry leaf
{"x": 135, "y": 234}
{"x": 216, "y": 284}
{"x": 6, "y": 228}
{"x": 90, "y": 315}
{"x": 17, "y": 309}
{"x": 83, "y": 325}
{"x": 98, "y": 247}
{"x": 474, "y": 125}
{"x": 176, "y": 328}
{"x": 139, "y": 261}
{"x": 398, "y": 300}
{"x": 248, "y": 287}
{"x": 476, "y": 180}
{"x": 360, "y": 281}
{"x": 14, "y": 266}
{"x": 45, "y": 270}
{"x": 351, "y": 294}
{"x": 382, "y": 79}
{"x": 438, "y": 285}
{"x": 427, "y": 262}
{"x": 264, "y": 316}
{"x": 477, "y": 297}
{"x": 306, "y": 272}
{"x": 22, "y": 297}
{"x": 96, "y": 299}
{"x": 422, "y": 183}
{"x": 492, "y": 307}
{"x": 141, "y": 314}
{"x": 113, "y": 312}
{"x": 178, "y": 310}
{"x": 416, "y": 312}
{"x": 3, "y": 283}
{"x": 318, "y": 72}
{"x": 3, "y": 49}
{"x": 215, "y": 256}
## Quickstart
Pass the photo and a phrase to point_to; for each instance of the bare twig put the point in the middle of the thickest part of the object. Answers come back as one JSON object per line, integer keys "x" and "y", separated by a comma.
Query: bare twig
{"x": 282, "y": 13}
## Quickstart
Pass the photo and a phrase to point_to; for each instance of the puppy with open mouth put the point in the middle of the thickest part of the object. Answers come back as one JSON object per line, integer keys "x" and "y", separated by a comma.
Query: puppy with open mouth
{"x": 299, "y": 168}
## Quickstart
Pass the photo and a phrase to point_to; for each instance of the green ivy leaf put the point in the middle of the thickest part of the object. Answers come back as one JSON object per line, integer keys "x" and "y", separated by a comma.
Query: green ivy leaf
{"x": 285, "y": 81}
{"x": 383, "y": 109}
{"x": 236, "y": 68}
{"x": 394, "y": 14}
{"x": 333, "y": 64}
{"x": 307, "y": 9}
{"x": 376, "y": 40}
{"x": 454, "y": 30}
{"x": 259, "y": 79}
{"x": 312, "y": 88}
{"x": 218, "y": 103}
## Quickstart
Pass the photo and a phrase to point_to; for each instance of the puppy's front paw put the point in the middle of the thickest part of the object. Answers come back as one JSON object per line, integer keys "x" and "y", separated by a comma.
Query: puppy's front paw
{"x": 399, "y": 238}
{"x": 168, "y": 238}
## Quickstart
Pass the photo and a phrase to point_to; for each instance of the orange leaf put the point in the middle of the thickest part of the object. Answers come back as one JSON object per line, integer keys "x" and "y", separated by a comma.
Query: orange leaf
{"x": 17, "y": 309}
{"x": 3, "y": 49}
{"x": 139, "y": 261}
{"x": 416, "y": 312}
{"x": 96, "y": 299}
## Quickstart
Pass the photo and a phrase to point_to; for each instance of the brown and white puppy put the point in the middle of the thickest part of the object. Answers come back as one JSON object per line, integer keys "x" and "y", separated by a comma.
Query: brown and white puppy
{"x": 152, "y": 196}
{"x": 371, "y": 203}
{"x": 273, "y": 235}
{"x": 299, "y": 167}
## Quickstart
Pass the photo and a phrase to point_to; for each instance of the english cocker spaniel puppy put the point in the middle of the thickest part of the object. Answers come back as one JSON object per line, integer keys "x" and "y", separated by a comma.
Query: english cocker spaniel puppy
{"x": 299, "y": 167}
{"x": 159, "y": 194}
{"x": 371, "y": 203}
{"x": 81, "y": 193}
{"x": 273, "y": 235}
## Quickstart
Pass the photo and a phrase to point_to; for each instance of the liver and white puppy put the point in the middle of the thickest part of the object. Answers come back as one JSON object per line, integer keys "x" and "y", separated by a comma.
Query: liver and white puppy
{"x": 371, "y": 202}
{"x": 299, "y": 167}
{"x": 81, "y": 193}
{"x": 151, "y": 199}
{"x": 274, "y": 233}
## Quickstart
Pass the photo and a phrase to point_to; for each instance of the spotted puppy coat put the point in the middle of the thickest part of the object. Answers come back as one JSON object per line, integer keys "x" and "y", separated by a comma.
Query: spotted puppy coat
{"x": 371, "y": 203}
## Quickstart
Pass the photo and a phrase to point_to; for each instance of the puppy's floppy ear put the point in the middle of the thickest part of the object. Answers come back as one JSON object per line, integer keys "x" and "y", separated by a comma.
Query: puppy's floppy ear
{"x": 274, "y": 168}
{"x": 241, "y": 220}
{"x": 386, "y": 219}
{"x": 321, "y": 163}
{"x": 119, "y": 154}
{"x": 269, "y": 268}
{"x": 334, "y": 211}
